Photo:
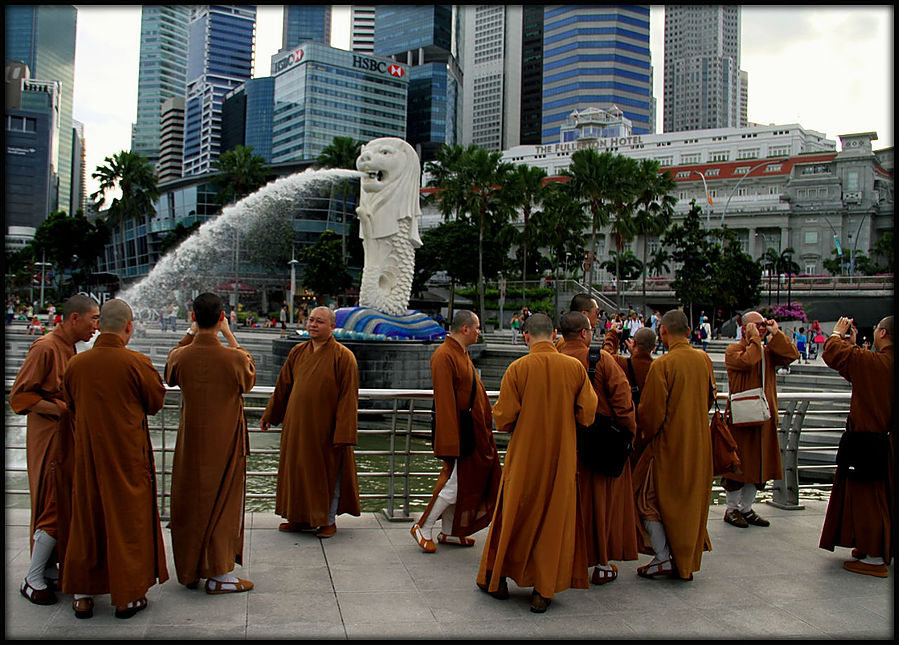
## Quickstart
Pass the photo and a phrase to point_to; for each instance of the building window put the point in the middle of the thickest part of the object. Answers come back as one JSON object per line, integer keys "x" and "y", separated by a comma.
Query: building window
{"x": 720, "y": 155}
{"x": 774, "y": 167}
{"x": 742, "y": 191}
{"x": 810, "y": 237}
{"x": 693, "y": 158}
{"x": 852, "y": 180}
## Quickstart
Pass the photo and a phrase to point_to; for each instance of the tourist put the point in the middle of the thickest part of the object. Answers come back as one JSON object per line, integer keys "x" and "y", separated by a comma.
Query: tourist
{"x": 209, "y": 467}
{"x": 233, "y": 319}
{"x": 757, "y": 445}
{"x": 35, "y": 328}
{"x": 115, "y": 541}
{"x": 51, "y": 315}
{"x": 802, "y": 344}
{"x": 283, "y": 321}
{"x": 316, "y": 400}
{"x": 673, "y": 420}
{"x": 705, "y": 332}
{"x": 173, "y": 316}
{"x": 465, "y": 493}
{"x": 536, "y": 537}
{"x": 515, "y": 326}
{"x": 37, "y": 393}
{"x": 607, "y": 503}
{"x": 816, "y": 336}
{"x": 860, "y": 510}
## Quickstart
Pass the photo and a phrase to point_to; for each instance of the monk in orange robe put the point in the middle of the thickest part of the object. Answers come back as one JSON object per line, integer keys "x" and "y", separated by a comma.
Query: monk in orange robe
{"x": 757, "y": 445}
{"x": 607, "y": 503}
{"x": 115, "y": 541}
{"x": 209, "y": 470}
{"x": 673, "y": 419}
{"x": 316, "y": 400}
{"x": 536, "y": 537}
{"x": 860, "y": 510}
{"x": 37, "y": 393}
{"x": 465, "y": 493}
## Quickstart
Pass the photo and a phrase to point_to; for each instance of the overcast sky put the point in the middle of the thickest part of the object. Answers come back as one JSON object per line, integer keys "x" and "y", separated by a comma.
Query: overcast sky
{"x": 828, "y": 68}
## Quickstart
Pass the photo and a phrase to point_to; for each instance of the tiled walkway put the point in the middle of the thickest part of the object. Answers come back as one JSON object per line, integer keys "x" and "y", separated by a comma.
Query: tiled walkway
{"x": 372, "y": 581}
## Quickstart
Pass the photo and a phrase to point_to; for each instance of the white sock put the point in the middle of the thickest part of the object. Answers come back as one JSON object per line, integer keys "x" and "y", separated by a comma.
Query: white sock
{"x": 79, "y": 596}
{"x": 872, "y": 560}
{"x": 748, "y": 493}
{"x": 437, "y": 509}
{"x": 733, "y": 499}
{"x": 658, "y": 539}
{"x": 446, "y": 519}
{"x": 604, "y": 567}
{"x": 226, "y": 577}
{"x": 40, "y": 555}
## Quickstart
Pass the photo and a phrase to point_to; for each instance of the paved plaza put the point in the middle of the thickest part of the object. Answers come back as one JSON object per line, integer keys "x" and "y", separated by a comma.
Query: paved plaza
{"x": 371, "y": 581}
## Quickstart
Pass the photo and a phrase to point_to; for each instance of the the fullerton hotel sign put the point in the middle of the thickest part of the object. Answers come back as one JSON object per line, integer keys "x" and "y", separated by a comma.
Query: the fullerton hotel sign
{"x": 610, "y": 142}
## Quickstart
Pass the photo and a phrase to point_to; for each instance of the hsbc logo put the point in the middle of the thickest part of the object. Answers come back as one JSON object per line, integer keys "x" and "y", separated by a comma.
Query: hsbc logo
{"x": 374, "y": 65}
{"x": 294, "y": 57}
{"x": 396, "y": 70}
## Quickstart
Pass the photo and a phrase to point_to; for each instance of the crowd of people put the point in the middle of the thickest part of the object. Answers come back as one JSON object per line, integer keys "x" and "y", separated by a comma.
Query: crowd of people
{"x": 552, "y": 511}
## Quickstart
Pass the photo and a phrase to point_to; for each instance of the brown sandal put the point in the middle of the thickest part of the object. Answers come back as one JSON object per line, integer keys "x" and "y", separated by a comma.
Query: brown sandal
{"x": 84, "y": 607}
{"x": 214, "y": 586}
{"x": 128, "y": 612}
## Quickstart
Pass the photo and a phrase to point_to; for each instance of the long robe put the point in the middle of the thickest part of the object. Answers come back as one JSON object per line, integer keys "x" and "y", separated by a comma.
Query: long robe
{"x": 607, "y": 503}
{"x": 209, "y": 469}
{"x": 316, "y": 401}
{"x": 48, "y": 439}
{"x": 859, "y": 514}
{"x": 640, "y": 360}
{"x": 115, "y": 540}
{"x": 536, "y": 537}
{"x": 675, "y": 468}
{"x": 478, "y": 474}
{"x": 758, "y": 446}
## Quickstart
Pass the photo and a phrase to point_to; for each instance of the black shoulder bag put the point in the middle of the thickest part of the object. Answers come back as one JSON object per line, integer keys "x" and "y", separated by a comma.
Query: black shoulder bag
{"x": 635, "y": 390}
{"x": 604, "y": 446}
{"x": 864, "y": 456}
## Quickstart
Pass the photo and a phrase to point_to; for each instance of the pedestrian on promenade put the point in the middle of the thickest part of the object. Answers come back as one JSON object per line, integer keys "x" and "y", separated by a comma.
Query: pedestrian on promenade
{"x": 115, "y": 539}
{"x": 316, "y": 402}
{"x": 465, "y": 493}
{"x": 607, "y": 503}
{"x": 757, "y": 445}
{"x": 860, "y": 510}
{"x": 673, "y": 419}
{"x": 283, "y": 315}
{"x": 37, "y": 393}
{"x": 705, "y": 332}
{"x": 209, "y": 469}
{"x": 536, "y": 537}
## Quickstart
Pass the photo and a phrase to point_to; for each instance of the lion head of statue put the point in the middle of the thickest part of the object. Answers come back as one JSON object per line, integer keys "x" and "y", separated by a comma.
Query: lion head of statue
{"x": 391, "y": 180}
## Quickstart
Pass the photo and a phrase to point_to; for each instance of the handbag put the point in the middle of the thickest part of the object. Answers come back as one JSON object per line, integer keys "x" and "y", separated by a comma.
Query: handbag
{"x": 604, "y": 446}
{"x": 864, "y": 456}
{"x": 725, "y": 459}
{"x": 750, "y": 407}
{"x": 466, "y": 423}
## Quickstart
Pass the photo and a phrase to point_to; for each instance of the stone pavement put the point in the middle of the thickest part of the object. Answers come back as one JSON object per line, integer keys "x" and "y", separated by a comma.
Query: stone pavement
{"x": 372, "y": 581}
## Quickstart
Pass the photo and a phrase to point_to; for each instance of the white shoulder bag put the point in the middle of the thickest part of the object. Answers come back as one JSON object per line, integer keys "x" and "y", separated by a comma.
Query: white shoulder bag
{"x": 750, "y": 407}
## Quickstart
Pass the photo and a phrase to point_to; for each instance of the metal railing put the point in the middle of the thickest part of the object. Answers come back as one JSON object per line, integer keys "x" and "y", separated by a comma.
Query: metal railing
{"x": 392, "y": 413}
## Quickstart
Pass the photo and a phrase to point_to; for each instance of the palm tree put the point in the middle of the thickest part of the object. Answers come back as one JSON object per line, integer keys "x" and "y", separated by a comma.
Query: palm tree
{"x": 655, "y": 206}
{"x": 658, "y": 264}
{"x": 133, "y": 175}
{"x": 786, "y": 265}
{"x": 240, "y": 172}
{"x": 769, "y": 262}
{"x": 527, "y": 190}
{"x": 342, "y": 152}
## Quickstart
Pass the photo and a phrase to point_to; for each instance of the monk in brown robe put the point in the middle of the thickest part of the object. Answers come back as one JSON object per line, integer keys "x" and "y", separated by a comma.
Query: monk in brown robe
{"x": 37, "y": 393}
{"x": 586, "y": 305}
{"x": 115, "y": 541}
{"x": 639, "y": 347}
{"x": 209, "y": 470}
{"x": 317, "y": 398}
{"x": 536, "y": 537}
{"x": 607, "y": 503}
{"x": 465, "y": 493}
{"x": 860, "y": 511}
{"x": 673, "y": 419}
{"x": 757, "y": 445}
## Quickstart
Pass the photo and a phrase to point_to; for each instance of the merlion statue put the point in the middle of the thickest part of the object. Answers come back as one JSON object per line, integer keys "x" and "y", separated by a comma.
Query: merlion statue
{"x": 388, "y": 223}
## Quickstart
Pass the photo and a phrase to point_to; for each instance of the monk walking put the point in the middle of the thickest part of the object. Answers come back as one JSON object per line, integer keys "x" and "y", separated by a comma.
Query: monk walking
{"x": 316, "y": 400}
{"x": 37, "y": 392}
{"x": 536, "y": 537}
{"x": 465, "y": 494}
{"x": 673, "y": 419}
{"x": 209, "y": 470}
{"x": 115, "y": 541}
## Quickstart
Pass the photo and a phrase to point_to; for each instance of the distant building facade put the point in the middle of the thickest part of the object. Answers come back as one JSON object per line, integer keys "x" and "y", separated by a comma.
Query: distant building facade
{"x": 247, "y": 116}
{"x": 362, "y": 29}
{"x": 306, "y": 23}
{"x": 171, "y": 139}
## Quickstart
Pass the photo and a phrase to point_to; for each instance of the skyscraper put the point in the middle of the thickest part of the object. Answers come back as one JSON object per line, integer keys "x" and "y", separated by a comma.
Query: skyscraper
{"x": 162, "y": 73}
{"x": 306, "y": 23}
{"x": 704, "y": 86}
{"x": 79, "y": 170}
{"x": 43, "y": 37}
{"x": 171, "y": 139}
{"x": 491, "y": 75}
{"x": 425, "y": 38}
{"x": 220, "y": 58}
{"x": 531, "y": 74}
{"x": 362, "y": 29}
{"x": 596, "y": 56}
{"x": 247, "y": 116}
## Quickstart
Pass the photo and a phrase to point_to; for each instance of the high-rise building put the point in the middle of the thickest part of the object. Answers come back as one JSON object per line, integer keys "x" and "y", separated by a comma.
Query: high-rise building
{"x": 704, "y": 86}
{"x": 79, "y": 169}
{"x": 171, "y": 139}
{"x": 362, "y": 29}
{"x": 323, "y": 92}
{"x": 425, "y": 38}
{"x": 596, "y": 56}
{"x": 531, "y": 74}
{"x": 491, "y": 75}
{"x": 162, "y": 72}
{"x": 220, "y": 58}
{"x": 43, "y": 38}
{"x": 306, "y": 23}
{"x": 247, "y": 116}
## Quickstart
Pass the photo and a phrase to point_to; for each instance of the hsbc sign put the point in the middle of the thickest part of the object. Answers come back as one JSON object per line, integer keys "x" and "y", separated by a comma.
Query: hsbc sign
{"x": 294, "y": 57}
{"x": 374, "y": 65}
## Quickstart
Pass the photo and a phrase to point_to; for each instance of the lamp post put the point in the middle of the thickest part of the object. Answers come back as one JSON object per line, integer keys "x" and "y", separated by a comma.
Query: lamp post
{"x": 236, "y": 263}
{"x": 293, "y": 281}
{"x": 855, "y": 247}
{"x": 748, "y": 172}
{"x": 709, "y": 197}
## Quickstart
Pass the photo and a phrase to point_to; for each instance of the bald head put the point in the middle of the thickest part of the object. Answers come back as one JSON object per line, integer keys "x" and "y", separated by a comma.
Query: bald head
{"x": 115, "y": 315}
{"x": 538, "y": 327}
{"x": 78, "y": 304}
{"x": 645, "y": 339}
{"x": 676, "y": 324}
{"x": 463, "y": 318}
{"x": 751, "y": 317}
{"x": 326, "y": 311}
{"x": 573, "y": 323}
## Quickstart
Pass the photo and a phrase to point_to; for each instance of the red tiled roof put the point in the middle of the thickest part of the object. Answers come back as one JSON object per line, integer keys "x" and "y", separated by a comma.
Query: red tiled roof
{"x": 726, "y": 168}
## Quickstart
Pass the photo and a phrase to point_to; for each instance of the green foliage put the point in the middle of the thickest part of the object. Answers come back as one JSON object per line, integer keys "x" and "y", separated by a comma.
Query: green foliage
{"x": 177, "y": 235}
{"x": 737, "y": 277}
{"x": 528, "y": 190}
{"x": 240, "y": 173}
{"x": 558, "y": 227}
{"x": 658, "y": 263}
{"x": 342, "y": 152}
{"x": 624, "y": 266}
{"x": 71, "y": 244}
{"x": 883, "y": 249}
{"x": 691, "y": 247}
{"x": 325, "y": 272}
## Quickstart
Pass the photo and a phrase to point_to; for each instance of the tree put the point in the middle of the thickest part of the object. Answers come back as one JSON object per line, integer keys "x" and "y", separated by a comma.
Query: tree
{"x": 240, "y": 173}
{"x": 883, "y": 249}
{"x": 654, "y": 206}
{"x": 528, "y": 190}
{"x": 133, "y": 175}
{"x": 177, "y": 235}
{"x": 623, "y": 265}
{"x": 658, "y": 264}
{"x": 697, "y": 256}
{"x": 325, "y": 271}
{"x": 342, "y": 152}
{"x": 737, "y": 277}
{"x": 785, "y": 265}
{"x": 768, "y": 262}
{"x": 71, "y": 244}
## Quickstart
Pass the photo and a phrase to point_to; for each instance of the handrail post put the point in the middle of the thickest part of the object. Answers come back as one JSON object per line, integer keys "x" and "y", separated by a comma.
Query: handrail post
{"x": 786, "y": 490}
{"x": 408, "y": 455}
{"x": 391, "y": 467}
{"x": 162, "y": 513}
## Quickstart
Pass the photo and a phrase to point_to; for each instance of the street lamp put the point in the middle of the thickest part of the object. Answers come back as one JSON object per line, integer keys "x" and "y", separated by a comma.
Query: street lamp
{"x": 293, "y": 281}
{"x": 855, "y": 247}
{"x": 748, "y": 172}
{"x": 709, "y": 196}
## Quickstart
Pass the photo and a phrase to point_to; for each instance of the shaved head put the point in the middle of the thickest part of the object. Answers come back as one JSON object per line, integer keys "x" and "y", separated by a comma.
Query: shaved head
{"x": 78, "y": 304}
{"x": 573, "y": 323}
{"x": 115, "y": 315}
{"x": 676, "y": 323}
{"x": 887, "y": 325}
{"x": 327, "y": 311}
{"x": 539, "y": 327}
{"x": 752, "y": 317}
{"x": 462, "y": 318}
{"x": 645, "y": 339}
